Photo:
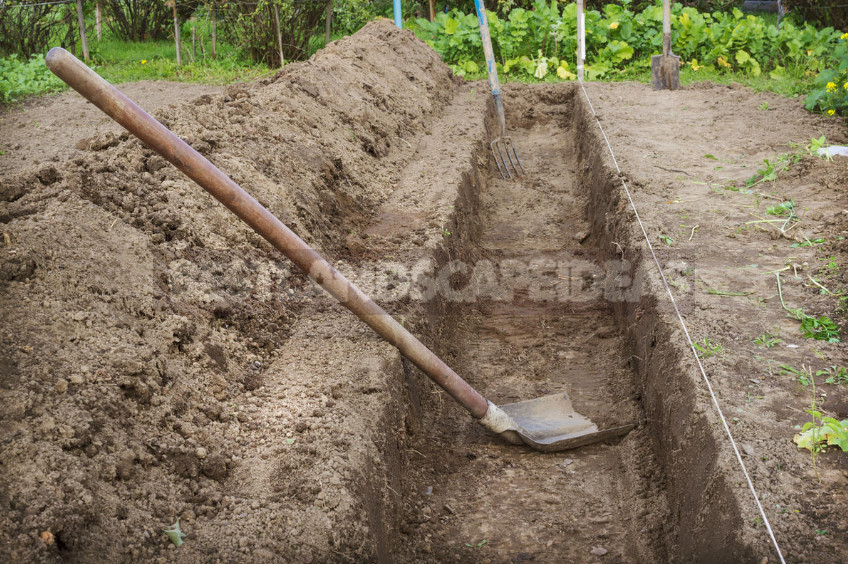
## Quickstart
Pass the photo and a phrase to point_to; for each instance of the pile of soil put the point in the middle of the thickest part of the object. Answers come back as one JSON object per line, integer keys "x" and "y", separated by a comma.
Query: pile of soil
{"x": 142, "y": 322}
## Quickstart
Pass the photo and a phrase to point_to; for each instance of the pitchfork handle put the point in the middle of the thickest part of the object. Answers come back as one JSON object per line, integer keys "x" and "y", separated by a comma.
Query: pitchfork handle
{"x": 160, "y": 139}
{"x": 491, "y": 67}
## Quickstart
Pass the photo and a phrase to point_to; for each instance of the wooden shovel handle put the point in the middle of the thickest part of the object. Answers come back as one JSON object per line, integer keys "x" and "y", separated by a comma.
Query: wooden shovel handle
{"x": 159, "y": 138}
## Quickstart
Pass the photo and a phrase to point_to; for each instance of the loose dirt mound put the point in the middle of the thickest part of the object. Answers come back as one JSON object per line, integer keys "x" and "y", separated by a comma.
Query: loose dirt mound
{"x": 140, "y": 318}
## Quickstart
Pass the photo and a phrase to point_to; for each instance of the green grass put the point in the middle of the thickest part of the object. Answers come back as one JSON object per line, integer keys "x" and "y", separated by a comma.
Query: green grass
{"x": 121, "y": 61}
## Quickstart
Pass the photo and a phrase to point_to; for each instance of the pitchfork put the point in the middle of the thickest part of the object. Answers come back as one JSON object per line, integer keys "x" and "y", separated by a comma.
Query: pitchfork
{"x": 502, "y": 147}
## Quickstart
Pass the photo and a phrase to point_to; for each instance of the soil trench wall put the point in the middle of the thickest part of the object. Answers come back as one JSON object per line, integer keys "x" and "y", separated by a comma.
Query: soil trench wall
{"x": 703, "y": 483}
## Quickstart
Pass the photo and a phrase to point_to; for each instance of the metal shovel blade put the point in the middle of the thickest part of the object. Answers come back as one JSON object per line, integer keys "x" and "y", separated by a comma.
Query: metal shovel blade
{"x": 665, "y": 72}
{"x": 549, "y": 424}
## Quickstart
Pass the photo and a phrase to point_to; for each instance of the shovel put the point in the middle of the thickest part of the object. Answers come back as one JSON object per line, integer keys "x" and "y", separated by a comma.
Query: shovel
{"x": 547, "y": 423}
{"x": 502, "y": 147}
{"x": 665, "y": 68}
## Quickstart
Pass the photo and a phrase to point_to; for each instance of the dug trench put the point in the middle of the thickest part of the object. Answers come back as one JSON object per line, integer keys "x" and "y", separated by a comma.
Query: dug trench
{"x": 541, "y": 286}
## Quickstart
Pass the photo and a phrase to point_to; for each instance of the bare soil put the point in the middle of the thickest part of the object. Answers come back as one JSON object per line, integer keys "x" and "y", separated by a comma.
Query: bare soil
{"x": 52, "y": 129}
{"x": 160, "y": 362}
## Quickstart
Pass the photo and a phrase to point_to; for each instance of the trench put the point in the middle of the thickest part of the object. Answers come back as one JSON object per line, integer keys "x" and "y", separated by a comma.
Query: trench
{"x": 526, "y": 312}
{"x": 544, "y": 288}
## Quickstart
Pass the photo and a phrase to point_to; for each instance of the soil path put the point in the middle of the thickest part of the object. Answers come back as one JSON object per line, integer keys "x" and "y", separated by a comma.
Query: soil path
{"x": 48, "y": 129}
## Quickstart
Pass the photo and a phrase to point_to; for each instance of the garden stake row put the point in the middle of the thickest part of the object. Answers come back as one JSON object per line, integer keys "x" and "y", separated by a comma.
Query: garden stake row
{"x": 502, "y": 145}
{"x": 548, "y": 423}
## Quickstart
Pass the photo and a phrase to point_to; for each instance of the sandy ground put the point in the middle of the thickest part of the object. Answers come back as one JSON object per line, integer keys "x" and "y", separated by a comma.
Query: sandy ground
{"x": 160, "y": 361}
{"x": 53, "y": 129}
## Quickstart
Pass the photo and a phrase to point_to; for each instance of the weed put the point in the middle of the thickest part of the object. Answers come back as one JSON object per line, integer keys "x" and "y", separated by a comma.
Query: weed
{"x": 784, "y": 209}
{"x": 832, "y": 266}
{"x": 771, "y": 168}
{"x": 767, "y": 340}
{"x": 804, "y": 375}
{"x": 713, "y": 292}
{"x": 707, "y": 348}
{"x": 808, "y": 242}
{"x": 821, "y": 329}
{"x": 666, "y": 239}
{"x": 815, "y": 148}
{"x": 821, "y": 432}
{"x": 763, "y": 107}
{"x": 835, "y": 375}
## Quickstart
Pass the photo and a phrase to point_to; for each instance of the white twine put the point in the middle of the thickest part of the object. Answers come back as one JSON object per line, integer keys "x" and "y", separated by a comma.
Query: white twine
{"x": 686, "y": 332}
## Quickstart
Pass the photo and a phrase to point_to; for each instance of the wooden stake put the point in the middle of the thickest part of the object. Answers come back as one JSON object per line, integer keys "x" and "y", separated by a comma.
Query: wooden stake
{"x": 279, "y": 35}
{"x": 69, "y": 19}
{"x": 214, "y": 33}
{"x": 176, "y": 34}
{"x": 328, "y": 28}
{"x": 81, "y": 21}
{"x": 98, "y": 20}
{"x": 581, "y": 39}
{"x": 432, "y": 10}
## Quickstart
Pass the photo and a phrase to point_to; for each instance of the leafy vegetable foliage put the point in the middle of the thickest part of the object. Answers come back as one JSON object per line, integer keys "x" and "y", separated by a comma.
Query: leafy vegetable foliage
{"x": 619, "y": 38}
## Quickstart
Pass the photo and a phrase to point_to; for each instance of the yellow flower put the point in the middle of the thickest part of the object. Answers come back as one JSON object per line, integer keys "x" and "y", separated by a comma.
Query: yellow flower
{"x": 694, "y": 64}
{"x": 723, "y": 62}
{"x": 614, "y": 25}
{"x": 144, "y": 61}
{"x": 831, "y": 87}
{"x": 844, "y": 36}
{"x": 831, "y": 112}
{"x": 845, "y": 86}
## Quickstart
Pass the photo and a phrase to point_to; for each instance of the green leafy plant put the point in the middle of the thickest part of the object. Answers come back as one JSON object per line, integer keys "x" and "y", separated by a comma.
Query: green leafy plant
{"x": 822, "y": 432}
{"x": 707, "y": 348}
{"x": 803, "y": 375}
{"x": 808, "y": 243}
{"x": 767, "y": 340}
{"x": 620, "y": 39}
{"x": 821, "y": 328}
{"x": 783, "y": 209}
{"x": 830, "y": 88}
{"x": 816, "y": 144}
{"x": 22, "y": 78}
{"x": 835, "y": 375}
{"x": 666, "y": 239}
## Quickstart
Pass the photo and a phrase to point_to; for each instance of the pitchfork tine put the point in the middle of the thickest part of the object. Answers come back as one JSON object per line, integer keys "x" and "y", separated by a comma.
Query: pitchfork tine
{"x": 514, "y": 152}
